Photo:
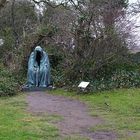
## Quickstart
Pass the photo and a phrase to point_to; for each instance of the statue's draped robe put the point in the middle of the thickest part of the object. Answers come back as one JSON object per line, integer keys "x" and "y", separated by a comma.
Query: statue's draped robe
{"x": 38, "y": 75}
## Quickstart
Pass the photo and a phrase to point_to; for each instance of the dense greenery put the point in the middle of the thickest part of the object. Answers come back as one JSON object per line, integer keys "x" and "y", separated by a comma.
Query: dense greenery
{"x": 121, "y": 74}
{"x": 8, "y": 83}
{"x": 85, "y": 42}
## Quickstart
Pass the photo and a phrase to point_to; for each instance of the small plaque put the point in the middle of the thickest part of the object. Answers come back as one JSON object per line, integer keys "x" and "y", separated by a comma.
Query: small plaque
{"x": 83, "y": 84}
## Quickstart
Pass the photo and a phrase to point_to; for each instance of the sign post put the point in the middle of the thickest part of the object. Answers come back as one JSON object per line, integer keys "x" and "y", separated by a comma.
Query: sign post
{"x": 83, "y": 85}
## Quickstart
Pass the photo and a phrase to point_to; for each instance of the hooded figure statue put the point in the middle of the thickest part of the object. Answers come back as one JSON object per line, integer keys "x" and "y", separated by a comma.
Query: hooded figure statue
{"x": 38, "y": 69}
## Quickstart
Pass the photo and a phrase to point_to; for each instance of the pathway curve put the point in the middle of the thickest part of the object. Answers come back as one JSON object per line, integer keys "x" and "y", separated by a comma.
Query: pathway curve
{"x": 76, "y": 118}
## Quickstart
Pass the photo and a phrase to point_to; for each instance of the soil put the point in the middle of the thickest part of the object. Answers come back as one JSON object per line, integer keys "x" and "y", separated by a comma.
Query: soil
{"x": 76, "y": 119}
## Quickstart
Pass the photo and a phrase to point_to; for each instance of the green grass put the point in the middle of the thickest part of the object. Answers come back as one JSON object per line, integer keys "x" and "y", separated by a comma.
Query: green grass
{"x": 120, "y": 110}
{"x": 18, "y": 124}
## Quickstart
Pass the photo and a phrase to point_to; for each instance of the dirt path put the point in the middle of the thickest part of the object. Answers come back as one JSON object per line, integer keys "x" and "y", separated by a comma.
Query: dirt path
{"x": 76, "y": 119}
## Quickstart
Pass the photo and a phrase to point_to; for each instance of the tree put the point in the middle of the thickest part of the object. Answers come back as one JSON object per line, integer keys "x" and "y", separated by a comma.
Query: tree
{"x": 97, "y": 41}
{"x": 17, "y": 20}
{"x": 85, "y": 37}
{"x": 96, "y": 37}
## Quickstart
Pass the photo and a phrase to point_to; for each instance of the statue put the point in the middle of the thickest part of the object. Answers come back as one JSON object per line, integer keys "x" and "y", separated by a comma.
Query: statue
{"x": 38, "y": 69}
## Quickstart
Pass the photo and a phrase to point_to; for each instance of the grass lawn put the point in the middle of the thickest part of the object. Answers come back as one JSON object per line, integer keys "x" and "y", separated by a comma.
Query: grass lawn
{"x": 18, "y": 124}
{"x": 119, "y": 108}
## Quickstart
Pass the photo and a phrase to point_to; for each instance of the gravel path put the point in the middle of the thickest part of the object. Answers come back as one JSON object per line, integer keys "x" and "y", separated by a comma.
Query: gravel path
{"x": 76, "y": 118}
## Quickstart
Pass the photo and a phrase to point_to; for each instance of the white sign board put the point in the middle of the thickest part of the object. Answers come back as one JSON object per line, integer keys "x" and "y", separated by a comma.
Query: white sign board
{"x": 83, "y": 84}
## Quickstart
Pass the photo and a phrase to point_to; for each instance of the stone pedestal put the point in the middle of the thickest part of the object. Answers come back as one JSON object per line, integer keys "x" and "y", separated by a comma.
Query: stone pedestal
{"x": 33, "y": 89}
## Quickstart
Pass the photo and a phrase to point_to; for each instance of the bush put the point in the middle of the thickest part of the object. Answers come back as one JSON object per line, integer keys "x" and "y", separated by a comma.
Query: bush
{"x": 117, "y": 75}
{"x": 119, "y": 79}
{"x": 8, "y": 84}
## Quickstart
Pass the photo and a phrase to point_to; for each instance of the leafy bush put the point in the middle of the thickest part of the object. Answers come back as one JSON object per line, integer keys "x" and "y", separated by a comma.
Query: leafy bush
{"x": 112, "y": 76}
{"x": 7, "y": 36}
{"x": 8, "y": 84}
{"x": 119, "y": 79}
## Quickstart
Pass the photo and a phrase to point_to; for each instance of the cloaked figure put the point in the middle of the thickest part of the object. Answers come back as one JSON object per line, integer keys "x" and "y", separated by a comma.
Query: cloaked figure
{"x": 38, "y": 69}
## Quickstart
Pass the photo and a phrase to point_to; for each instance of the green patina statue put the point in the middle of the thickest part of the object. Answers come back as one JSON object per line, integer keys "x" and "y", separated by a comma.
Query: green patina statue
{"x": 38, "y": 69}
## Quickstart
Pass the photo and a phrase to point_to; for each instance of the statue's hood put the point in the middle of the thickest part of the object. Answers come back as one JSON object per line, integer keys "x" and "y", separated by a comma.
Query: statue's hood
{"x": 38, "y": 48}
{"x": 38, "y": 53}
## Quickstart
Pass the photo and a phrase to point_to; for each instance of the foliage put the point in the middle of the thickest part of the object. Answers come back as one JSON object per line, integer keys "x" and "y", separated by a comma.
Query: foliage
{"x": 119, "y": 79}
{"x": 95, "y": 46}
{"x": 8, "y": 84}
{"x": 82, "y": 39}
{"x": 121, "y": 74}
{"x": 7, "y": 36}
{"x": 14, "y": 28}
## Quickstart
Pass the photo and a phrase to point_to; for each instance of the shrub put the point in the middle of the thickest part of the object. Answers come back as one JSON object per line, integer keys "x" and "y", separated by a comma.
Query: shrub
{"x": 117, "y": 75}
{"x": 8, "y": 84}
{"x": 119, "y": 79}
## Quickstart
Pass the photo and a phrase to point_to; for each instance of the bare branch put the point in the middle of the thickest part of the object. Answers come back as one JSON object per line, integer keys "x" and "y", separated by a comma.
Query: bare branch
{"x": 2, "y": 3}
{"x": 64, "y": 4}
{"x": 13, "y": 23}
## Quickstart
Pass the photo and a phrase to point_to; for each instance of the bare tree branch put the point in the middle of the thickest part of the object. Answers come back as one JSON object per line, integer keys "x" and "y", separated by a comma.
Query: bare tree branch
{"x": 64, "y": 4}
{"x": 2, "y": 3}
{"x": 13, "y": 23}
{"x": 135, "y": 8}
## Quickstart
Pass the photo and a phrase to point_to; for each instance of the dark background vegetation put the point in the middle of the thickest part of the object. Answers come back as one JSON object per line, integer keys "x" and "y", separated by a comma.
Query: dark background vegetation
{"x": 86, "y": 40}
